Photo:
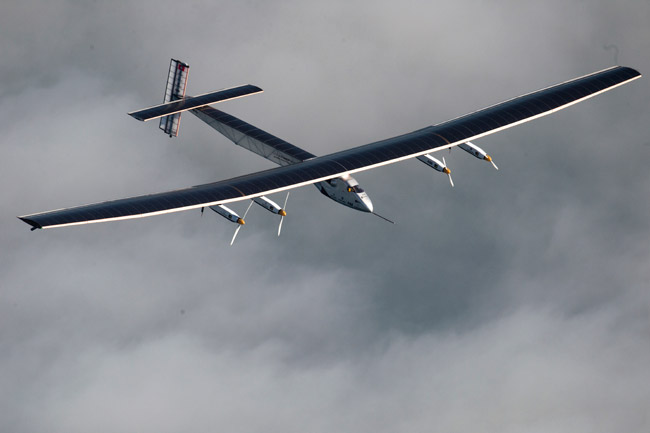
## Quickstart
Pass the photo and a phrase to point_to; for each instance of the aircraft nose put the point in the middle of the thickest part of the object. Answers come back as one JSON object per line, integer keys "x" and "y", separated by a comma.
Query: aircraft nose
{"x": 368, "y": 204}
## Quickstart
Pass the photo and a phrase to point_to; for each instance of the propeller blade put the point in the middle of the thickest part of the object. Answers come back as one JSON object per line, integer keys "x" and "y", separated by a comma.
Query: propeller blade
{"x": 280, "y": 226}
{"x": 239, "y": 225}
{"x": 247, "y": 209}
{"x": 284, "y": 207}
{"x": 449, "y": 172}
{"x": 235, "y": 235}
{"x": 202, "y": 212}
{"x": 489, "y": 159}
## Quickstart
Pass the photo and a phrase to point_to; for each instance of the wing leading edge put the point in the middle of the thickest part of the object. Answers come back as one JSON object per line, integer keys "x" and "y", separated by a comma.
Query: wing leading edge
{"x": 448, "y": 134}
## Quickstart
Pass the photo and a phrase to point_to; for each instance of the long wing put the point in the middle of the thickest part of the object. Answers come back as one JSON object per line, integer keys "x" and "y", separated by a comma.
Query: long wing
{"x": 432, "y": 138}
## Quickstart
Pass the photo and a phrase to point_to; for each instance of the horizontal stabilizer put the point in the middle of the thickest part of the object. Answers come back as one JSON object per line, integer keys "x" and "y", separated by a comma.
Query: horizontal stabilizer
{"x": 194, "y": 102}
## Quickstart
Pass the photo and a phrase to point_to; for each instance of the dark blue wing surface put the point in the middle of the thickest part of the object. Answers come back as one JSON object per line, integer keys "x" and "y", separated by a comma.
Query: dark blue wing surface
{"x": 471, "y": 126}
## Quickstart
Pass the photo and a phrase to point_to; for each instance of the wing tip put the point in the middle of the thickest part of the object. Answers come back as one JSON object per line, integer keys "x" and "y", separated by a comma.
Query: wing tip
{"x": 136, "y": 116}
{"x": 632, "y": 71}
{"x": 31, "y": 222}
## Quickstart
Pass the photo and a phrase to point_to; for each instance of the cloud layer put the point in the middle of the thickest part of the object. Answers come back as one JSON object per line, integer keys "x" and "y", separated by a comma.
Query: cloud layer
{"x": 517, "y": 300}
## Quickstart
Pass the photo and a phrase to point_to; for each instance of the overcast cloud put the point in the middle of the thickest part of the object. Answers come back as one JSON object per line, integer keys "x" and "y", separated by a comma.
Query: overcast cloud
{"x": 516, "y": 301}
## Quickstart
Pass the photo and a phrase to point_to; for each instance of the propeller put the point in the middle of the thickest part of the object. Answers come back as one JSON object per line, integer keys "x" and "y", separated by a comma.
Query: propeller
{"x": 283, "y": 213}
{"x": 240, "y": 222}
{"x": 447, "y": 171}
{"x": 489, "y": 159}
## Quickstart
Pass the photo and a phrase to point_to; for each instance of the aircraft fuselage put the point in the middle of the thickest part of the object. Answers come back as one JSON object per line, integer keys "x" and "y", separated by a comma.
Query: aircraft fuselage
{"x": 346, "y": 192}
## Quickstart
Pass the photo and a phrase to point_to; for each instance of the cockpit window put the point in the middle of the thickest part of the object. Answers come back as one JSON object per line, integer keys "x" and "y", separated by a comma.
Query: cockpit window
{"x": 356, "y": 189}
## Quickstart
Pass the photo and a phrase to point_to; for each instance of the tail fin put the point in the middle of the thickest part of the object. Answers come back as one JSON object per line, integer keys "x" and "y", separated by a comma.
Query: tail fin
{"x": 175, "y": 89}
{"x": 175, "y": 102}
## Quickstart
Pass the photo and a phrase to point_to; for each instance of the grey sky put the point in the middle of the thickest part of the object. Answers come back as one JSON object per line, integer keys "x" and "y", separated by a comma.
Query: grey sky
{"x": 517, "y": 300}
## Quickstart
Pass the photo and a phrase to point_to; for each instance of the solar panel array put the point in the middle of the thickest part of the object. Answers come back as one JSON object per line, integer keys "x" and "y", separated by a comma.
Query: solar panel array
{"x": 422, "y": 141}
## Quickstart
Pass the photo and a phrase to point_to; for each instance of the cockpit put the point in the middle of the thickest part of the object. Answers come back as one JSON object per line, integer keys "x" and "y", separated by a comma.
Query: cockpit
{"x": 347, "y": 192}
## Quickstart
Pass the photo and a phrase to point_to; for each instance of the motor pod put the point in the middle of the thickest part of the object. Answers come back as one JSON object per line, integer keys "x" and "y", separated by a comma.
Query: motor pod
{"x": 270, "y": 205}
{"x": 228, "y": 214}
{"x": 434, "y": 163}
{"x": 479, "y": 153}
{"x": 437, "y": 165}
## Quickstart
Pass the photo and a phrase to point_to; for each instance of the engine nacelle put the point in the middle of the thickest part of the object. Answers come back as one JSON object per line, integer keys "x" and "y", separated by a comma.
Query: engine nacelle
{"x": 228, "y": 214}
{"x": 434, "y": 163}
{"x": 479, "y": 153}
{"x": 270, "y": 205}
{"x": 437, "y": 165}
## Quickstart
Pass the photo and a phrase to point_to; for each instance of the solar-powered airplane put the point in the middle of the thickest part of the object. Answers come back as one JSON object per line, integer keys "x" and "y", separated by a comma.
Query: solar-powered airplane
{"x": 331, "y": 174}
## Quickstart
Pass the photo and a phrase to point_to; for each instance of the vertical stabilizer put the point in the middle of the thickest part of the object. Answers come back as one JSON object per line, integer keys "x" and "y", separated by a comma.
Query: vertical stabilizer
{"x": 175, "y": 89}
